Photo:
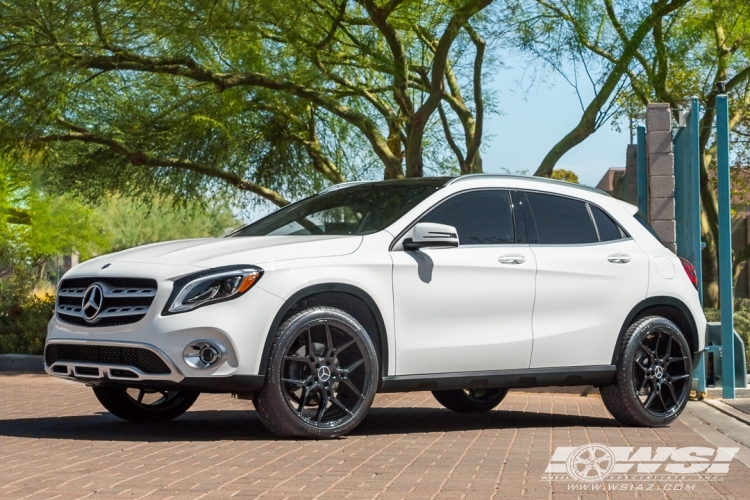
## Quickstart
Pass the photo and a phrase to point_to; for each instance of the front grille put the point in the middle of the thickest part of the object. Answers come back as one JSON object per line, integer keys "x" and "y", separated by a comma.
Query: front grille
{"x": 143, "y": 359}
{"x": 125, "y": 300}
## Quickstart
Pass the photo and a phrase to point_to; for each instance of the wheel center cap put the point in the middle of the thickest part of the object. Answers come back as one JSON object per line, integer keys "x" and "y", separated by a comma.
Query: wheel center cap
{"x": 659, "y": 372}
{"x": 324, "y": 373}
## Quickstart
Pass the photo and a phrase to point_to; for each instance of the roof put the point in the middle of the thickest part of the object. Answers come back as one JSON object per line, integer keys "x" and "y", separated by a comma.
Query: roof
{"x": 542, "y": 180}
{"x": 447, "y": 181}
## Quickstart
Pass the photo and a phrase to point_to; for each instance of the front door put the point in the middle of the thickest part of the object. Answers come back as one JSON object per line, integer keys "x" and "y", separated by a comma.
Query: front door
{"x": 467, "y": 308}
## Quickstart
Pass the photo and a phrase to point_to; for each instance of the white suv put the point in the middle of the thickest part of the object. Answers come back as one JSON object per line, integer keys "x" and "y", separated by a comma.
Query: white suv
{"x": 461, "y": 286}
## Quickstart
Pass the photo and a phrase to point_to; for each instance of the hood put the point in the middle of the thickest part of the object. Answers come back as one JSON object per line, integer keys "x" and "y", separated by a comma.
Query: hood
{"x": 215, "y": 252}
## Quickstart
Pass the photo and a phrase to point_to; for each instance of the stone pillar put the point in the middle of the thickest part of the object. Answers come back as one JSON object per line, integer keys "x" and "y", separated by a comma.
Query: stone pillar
{"x": 661, "y": 206}
{"x": 631, "y": 167}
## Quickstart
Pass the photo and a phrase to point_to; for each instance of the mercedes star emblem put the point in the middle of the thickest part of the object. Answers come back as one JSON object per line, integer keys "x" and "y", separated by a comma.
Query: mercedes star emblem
{"x": 91, "y": 305}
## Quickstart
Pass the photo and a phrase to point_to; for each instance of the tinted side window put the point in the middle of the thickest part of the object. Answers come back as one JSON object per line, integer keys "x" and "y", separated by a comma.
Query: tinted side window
{"x": 608, "y": 229}
{"x": 480, "y": 217}
{"x": 561, "y": 220}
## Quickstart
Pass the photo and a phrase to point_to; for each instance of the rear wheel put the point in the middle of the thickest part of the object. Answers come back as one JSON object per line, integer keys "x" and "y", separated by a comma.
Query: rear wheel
{"x": 322, "y": 375}
{"x": 470, "y": 400}
{"x": 652, "y": 383}
{"x": 144, "y": 405}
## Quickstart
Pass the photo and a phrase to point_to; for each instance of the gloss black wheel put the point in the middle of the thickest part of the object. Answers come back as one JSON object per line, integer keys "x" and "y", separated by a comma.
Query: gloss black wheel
{"x": 322, "y": 375}
{"x": 144, "y": 405}
{"x": 653, "y": 378}
{"x": 470, "y": 400}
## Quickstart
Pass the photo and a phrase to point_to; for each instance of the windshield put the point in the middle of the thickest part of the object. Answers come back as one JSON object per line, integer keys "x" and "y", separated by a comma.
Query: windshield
{"x": 359, "y": 209}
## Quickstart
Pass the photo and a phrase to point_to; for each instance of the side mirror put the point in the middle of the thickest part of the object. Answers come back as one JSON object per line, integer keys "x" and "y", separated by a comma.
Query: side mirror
{"x": 427, "y": 234}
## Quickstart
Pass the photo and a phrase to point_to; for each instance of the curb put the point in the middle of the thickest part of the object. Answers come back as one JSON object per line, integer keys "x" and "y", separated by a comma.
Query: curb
{"x": 729, "y": 410}
{"x": 21, "y": 363}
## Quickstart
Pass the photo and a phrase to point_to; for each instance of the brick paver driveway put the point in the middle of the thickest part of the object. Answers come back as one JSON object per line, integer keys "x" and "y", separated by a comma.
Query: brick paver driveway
{"x": 57, "y": 442}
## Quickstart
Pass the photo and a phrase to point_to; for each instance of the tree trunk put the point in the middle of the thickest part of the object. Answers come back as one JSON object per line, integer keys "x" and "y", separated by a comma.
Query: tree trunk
{"x": 585, "y": 128}
{"x": 414, "y": 137}
{"x": 710, "y": 265}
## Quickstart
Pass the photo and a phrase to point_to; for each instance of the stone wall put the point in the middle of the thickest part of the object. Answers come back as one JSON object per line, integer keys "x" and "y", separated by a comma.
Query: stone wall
{"x": 661, "y": 206}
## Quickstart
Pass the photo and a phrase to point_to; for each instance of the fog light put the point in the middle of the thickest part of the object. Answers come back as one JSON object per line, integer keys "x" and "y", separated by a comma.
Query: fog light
{"x": 204, "y": 354}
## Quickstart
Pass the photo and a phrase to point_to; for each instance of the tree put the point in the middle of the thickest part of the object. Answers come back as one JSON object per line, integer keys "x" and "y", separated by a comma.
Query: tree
{"x": 35, "y": 225}
{"x": 702, "y": 51}
{"x": 129, "y": 223}
{"x": 269, "y": 98}
{"x": 564, "y": 175}
{"x": 673, "y": 51}
{"x": 583, "y": 35}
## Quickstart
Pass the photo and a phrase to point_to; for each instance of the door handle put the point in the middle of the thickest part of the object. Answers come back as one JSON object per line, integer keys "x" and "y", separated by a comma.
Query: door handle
{"x": 619, "y": 258}
{"x": 511, "y": 259}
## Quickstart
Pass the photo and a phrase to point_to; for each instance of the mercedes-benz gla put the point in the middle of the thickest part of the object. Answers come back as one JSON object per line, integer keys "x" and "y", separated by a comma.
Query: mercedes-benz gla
{"x": 465, "y": 287}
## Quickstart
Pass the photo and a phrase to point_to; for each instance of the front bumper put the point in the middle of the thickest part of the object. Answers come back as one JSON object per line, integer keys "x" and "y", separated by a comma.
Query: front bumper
{"x": 240, "y": 326}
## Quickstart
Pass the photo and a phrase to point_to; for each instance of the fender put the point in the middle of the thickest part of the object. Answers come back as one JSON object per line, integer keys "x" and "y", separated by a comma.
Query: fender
{"x": 655, "y": 302}
{"x": 322, "y": 288}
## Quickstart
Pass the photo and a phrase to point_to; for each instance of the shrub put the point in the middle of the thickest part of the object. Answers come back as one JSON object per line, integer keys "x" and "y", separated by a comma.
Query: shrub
{"x": 23, "y": 315}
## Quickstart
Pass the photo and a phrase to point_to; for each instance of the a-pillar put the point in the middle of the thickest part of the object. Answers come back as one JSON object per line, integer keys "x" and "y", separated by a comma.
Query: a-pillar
{"x": 661, "y": 205}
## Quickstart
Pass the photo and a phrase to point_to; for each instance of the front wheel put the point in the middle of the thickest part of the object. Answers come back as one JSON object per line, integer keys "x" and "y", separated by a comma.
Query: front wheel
{"x": 652, "y": 383}
{"x": 322, "y": 376}
{"x": 470, "y": 400}
{"x": 144, "y": 405}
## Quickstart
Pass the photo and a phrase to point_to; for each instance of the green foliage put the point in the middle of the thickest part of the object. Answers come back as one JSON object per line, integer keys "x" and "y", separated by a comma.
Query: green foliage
{"x": 130, "y": 223}
{"x": 564, "y": 175}
{"x": 278, "y": 99}
{"x": 35, "y": 224}
{"x": 741, "y": 322}
{"x": 23, "y": 315}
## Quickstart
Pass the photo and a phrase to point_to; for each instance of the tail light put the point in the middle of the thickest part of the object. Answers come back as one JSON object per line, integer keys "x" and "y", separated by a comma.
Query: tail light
{"x": 690, "y": 271}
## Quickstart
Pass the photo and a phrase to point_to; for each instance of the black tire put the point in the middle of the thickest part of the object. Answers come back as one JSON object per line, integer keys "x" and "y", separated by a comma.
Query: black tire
{"x": 471, "y": 400}
{"x": 144, "y": 406}
{"x": 322, "y": 376}
{"x": 652, "y": 382}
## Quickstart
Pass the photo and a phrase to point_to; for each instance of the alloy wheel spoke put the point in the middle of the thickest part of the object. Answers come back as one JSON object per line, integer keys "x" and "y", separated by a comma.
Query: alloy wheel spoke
{"x": 679, "y": 377}
{"x": 672, "y": 391}
{"x": 303, "y": 401}
{"x": 294, "y": 381}
{"x": 672, "y": 359}
{"x": 648, "y": 351}
{"x": 310, "y": 349}
{"x": 323, "y": 406}
{"x": 329, "y": 340}
{"x": 656, "y": 345}
{"x": 300, "y": 359}
{"x": 663, "y": 403}
{"x": 344, "y": 346}
{"x": 338, "y": 403}
{"x": 669, "y": 349}
{"x": 351, "y": 386}
{"x": 643, "y": 385}
{"x": 354, "y": 366}
{"x": 651, "y": 398}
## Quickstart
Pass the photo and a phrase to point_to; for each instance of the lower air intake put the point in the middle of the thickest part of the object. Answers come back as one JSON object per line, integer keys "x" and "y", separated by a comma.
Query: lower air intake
{"x": 143, "y": 359}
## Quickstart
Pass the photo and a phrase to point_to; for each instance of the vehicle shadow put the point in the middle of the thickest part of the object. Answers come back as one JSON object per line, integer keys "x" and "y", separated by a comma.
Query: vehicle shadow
{"x": 244, "y": 425}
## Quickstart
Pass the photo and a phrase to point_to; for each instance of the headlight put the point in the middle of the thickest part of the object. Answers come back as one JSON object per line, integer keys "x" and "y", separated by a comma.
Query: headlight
{"x": 208, "y": 287}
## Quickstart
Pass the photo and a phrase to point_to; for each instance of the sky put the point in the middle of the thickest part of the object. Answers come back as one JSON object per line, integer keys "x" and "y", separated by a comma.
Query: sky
{"x": 535, "y": 115}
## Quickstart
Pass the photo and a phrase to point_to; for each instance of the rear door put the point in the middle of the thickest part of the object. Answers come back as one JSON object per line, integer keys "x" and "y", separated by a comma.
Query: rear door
{"x": 590, "y": 274}
{"x": 467, "y": 308}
